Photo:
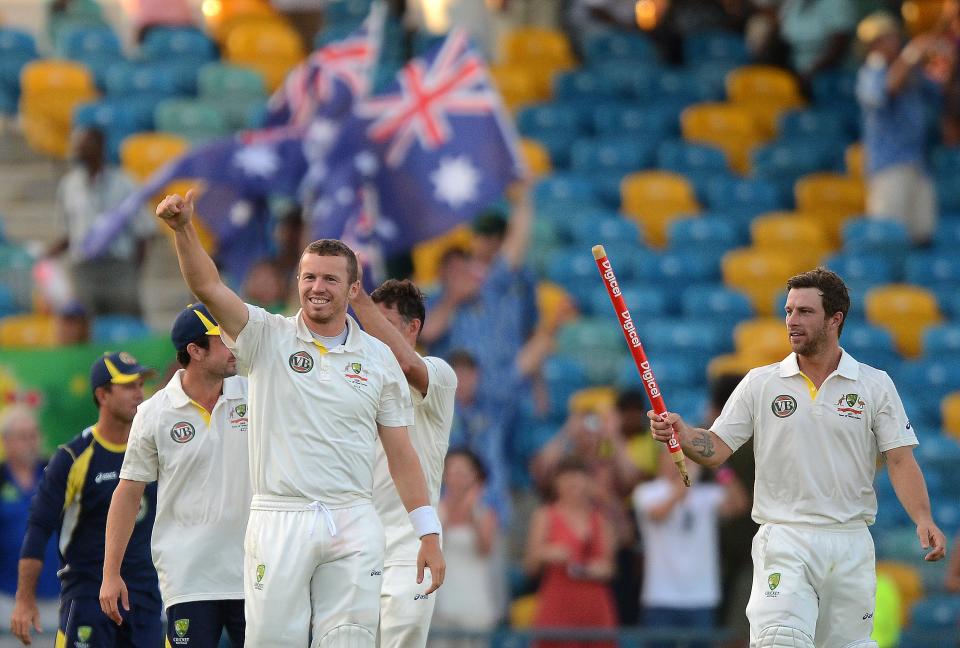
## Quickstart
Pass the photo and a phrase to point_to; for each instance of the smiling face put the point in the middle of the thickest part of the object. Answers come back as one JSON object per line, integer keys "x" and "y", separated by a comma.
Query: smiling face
{"x": 810, "y": 329}
{"x": 325, "y": 290}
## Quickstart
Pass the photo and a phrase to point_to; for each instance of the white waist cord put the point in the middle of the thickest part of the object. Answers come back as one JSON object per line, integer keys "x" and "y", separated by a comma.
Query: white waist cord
{"x": 320, "y": 507}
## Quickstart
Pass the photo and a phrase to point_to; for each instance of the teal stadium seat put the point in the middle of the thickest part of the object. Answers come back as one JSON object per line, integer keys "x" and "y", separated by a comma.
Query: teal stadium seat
{"x": 652, "y": 123}
{"x": 78, "y": 42}
{"x": 618, "y": 45}
{"x": 632, "y": 82}
{"x": 171, "y": 43}
{"x": 673, "y": 268}
{"x": 715, "y": 46}
{"x": 697, "y": 340}
{"x": 115, "y": 118}
{"x": 685, "y": 157}
{"x": 236, "y": 89}
{"x": 588, "y": 228}
{"x": 196, "y": 121}
{"x": 564, "y": 189}
{"x": 556, "y": 126}
{"x": 125, "y": 79}
{"x": 930, "y": 379}
{"x": 674, "y": 374}
{"x": 940, "y": 613}
{"x": 585, "y": 83}
{"x": 817, "y": 124}
{"x": 871, "y": 236}
{"x": 685, "y": 87}
{"x": 939, "y": 269}
{"x": 17, "y": 48}
{"x": 716, "y": 301}
{"x": 744, "y": 195}
{"x": 709, "y": 237}
{"x": 786, "y": 160}
{"x": 862, "y": 268}
{"x": 943, "y": 340}
{"x": 346, "y": 11}
{"x": 644, "y": 302}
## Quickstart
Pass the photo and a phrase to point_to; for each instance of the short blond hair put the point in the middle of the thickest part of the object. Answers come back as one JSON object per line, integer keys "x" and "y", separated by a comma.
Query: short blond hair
{"x": 13, "y": 414}
{"x": 877, "y": 25}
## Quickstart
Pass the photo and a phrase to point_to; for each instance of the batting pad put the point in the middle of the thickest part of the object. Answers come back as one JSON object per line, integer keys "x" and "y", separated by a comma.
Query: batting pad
{"x": 348, "y": 636}
{"x": 783, "y": 637}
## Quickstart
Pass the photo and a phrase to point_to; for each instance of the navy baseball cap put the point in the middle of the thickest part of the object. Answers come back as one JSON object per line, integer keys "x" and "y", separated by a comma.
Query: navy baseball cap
{"x": 118, "y": 368}
{"x": 191, "y": 324}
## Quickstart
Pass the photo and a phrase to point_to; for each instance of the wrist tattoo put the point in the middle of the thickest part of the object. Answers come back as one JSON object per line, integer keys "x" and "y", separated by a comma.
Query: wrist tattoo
{"x": 703, "y": 444}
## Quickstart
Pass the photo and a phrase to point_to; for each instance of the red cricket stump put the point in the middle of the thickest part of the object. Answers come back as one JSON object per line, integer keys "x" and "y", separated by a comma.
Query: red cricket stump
{"x": 639, "y": 355}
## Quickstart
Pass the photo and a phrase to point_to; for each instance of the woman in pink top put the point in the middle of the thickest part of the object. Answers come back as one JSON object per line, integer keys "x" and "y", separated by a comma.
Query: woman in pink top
{"x": 571, "y": 546}
{"x": 145, "y": 14}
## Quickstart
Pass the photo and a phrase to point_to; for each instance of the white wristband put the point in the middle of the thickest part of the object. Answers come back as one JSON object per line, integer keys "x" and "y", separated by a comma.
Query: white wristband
{"x": 425, "y": 521}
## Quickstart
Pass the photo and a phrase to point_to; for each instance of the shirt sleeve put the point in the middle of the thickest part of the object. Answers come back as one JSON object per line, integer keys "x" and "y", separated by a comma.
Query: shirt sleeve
{"x": 248, "y": 342}
{"x": 872, "y": 83}
{"x": 441, "y": 388}
{"x": 395, "y": 408}
{"x": 140, "y": 461}
{"x": 646, "y": 496}
{"x": 735, "y": 425}
{"x": 890, "y": 424}
{"x": 47, "y": 505}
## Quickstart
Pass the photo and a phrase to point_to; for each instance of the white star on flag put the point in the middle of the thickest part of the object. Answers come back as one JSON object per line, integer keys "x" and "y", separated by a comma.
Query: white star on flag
{"x": 321, "y": 136}
{"x": 257, "y": 160}
{"x": 455, "y": 181}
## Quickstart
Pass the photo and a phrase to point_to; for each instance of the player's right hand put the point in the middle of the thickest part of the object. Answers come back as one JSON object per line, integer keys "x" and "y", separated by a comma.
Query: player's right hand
{"x": 25, "y": 616}
{"x": 111, "y": 589}
{"x": 662, "y": 427}
{"x": 175, "y": 210}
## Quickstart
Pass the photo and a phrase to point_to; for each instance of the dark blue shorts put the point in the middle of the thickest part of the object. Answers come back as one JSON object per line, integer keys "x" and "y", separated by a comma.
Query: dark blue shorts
{"x": 84, "y": 625}
{"x": 200, "y": 624}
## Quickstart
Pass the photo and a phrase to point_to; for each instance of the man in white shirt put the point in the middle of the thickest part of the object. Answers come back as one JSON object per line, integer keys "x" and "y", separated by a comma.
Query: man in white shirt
{"x": 321, "y": 394}
{"x": 190, "y": 437}
{"x": 820, "y": 421}
{"x": 394, "y": 314}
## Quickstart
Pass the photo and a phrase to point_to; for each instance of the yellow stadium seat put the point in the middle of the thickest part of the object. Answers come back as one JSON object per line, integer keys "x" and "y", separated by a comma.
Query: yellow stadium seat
{"x": 830, "y": 191}
{"x": 853, "y": 159}
{"x": 143, "y": 153}
{"x": 32, "y": 330}
{"x": 535, "y": 44}
{"x": 654, "y": 199}
{"x": 764, "y": 339}
{"x": 766, "y": 115}
{"x": 271, "y": 49}
{"x": 763, "y": 83}
{"x": 553, "y": 303}
{"x": 950, "y": 411}
{"x": 51, "y": 89}
{"x": 536, "y": 156}
{"x": 780, "y": 231}
{"x": 207, "y": 239}
{"x": 760, "y": 274}
{"x": 731, "y": 127}
{"x": 829, "y": 221}
{"x": 908, "y": 580}
{"x": 906, "y": 311}
{"x": 517, "y": 85}
{"x": 921, "y": 15}
{"x": 592, "y": 399}
{"x": 523, "y": 611}
{"x": 427, "y": 255}
{"x": 224, "y": 15}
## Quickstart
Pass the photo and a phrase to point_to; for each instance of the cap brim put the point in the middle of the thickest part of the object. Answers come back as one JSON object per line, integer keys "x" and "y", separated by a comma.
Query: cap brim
{"x": 142, "y": 372}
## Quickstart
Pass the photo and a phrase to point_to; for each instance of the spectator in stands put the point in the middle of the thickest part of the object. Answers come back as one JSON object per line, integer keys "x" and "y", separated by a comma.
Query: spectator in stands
{"x": 950, "y": 27}
{"x": 306, "y": 17}
{"x": 440, "y": 17}
{"x": 817, "y": 33}
{"x": 473, "y": 595}
{"x": 571, "y": 547}
{"x": 677, "y": 523}
{"x": 109, "y": 283}
{"x": 72, "y": 324}
{"x": 643, "y": 451}
{"x": 891, "y": 90}
{"x": 147, "y": 14}
{"x": 480, "y": 424}
{"x": 20, "y": 473}
{"x": 583, "y": 19}
{"x": 487, "y": 302}
{"x": 684, "y": 18}
{"x": 952, "y": 580}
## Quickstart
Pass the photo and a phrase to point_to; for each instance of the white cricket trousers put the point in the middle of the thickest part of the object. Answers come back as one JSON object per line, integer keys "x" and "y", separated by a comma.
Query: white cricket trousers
{"x": 821, "y": 580}
{"x": 312, "y": 574}
{"x": 405, "y": 611}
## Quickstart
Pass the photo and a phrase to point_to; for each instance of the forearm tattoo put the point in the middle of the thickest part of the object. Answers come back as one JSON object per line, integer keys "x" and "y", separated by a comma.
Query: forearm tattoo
{"x": 703, "y": 443}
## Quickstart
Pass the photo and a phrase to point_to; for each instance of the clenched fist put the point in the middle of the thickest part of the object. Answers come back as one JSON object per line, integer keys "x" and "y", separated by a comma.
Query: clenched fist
{"x": 176, "y": 211}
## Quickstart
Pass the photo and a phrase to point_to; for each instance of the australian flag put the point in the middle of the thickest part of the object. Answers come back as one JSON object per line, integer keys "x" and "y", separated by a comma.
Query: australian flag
{"x": 240, "y": 174}
{"x": 431, "y": 151}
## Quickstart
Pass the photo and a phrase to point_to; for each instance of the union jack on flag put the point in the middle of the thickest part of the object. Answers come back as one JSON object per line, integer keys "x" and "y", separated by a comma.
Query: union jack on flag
{"x": 310, "y": 88}
{"x": 454, "y": 82}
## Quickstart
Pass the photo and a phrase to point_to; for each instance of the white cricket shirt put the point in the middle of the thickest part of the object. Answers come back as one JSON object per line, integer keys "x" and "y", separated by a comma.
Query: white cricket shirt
{"x": 199, "y": 460}
{"x": 430, "y": 436}
{"x": 816, "y": 450}
{"x": 314, "y": 411}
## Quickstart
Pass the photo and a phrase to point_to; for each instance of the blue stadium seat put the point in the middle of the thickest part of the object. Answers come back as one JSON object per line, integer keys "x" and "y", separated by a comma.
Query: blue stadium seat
{"x": 166, "y": 43}
{"x": 685, "y": 86}
{"x": 629, "y": 80}
{"x": 860, "y": 337}
{"x": 8, "y": 302}
{"x": 573, "y": 265}
{"x": 564, "y": 375}
{"x": 609, "y": 155}
{"x": 712, "y": 75}
{"x": 346, "y": 11}
{"x": 691, "y": 404}
{"x": 685, "y": 157}
{"x": 947, "y": 234}
{"x": 942, "y": 340}
{"x": 564, "y": 188}
{"x": 17, "y": 48}
{"x": 934, "y": 269}
{"x": 715, "y": 46}
{"x": 676, "y": 268}
{"x": 77, "y": 43}
{"x": 744, "y": 195}
{"x": 864, "y": 269}
{"x": 715, "y": 301}
{"x": 821, "y": 124}
{"x": 949, "y": 301}
{"x": 589, "y": 228}
{"x": 643, "y": 302}
{"x": 948, "y": 191}
{"x": 674, "y": 375}
{"x": 945, "y": 159}
{"x": 789, "y": 159}
{"x": 585, "y": 83}
{"x": 931, "y": 378}
{"x": 609, "y": 45}
{"x": 133, "y": 79}
{"x": 700, "y": 337}
{"x": 834, "y": 87}
{"x": 710, "y": 233}
{"x": 15, "y": 41}
{"x": 115, "y": 118}
{"x": 941, "y": 613}
{"x": 875, "y": 236}
{"x": 550, "y": 117}
{"x": 653, "y": 123}
{"x": 114, "y": 329}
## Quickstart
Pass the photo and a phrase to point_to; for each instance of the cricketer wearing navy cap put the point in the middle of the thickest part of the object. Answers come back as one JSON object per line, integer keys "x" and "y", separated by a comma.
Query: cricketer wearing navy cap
{"x": 72, "y": 500}
{"x": 191, "y": 439}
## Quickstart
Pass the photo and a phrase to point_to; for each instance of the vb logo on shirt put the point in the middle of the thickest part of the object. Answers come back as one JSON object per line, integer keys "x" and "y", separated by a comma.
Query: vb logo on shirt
{"x": 301, "y": 362}
{"x": 182, "y": 432}
{"x": 783, "y": 406}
